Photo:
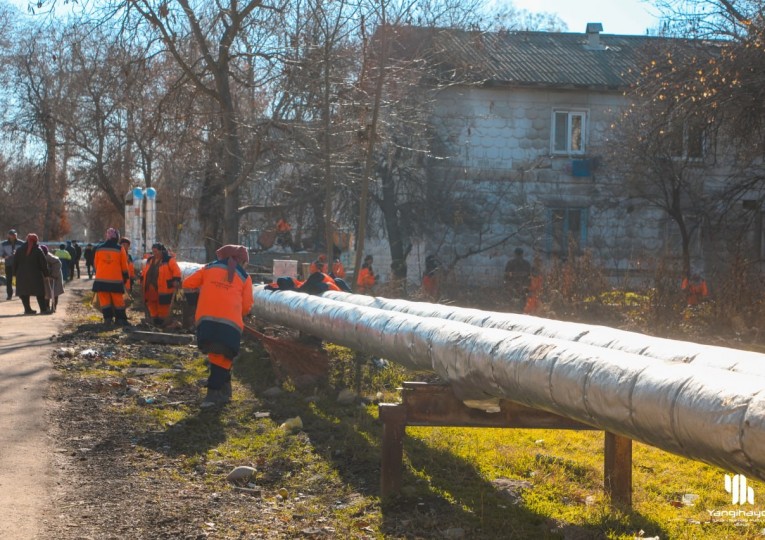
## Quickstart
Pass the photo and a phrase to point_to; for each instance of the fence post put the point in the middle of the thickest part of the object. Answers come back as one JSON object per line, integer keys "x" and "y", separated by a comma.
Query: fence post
{"x": 617, "y": 470}
{"x": 393, "y": 417}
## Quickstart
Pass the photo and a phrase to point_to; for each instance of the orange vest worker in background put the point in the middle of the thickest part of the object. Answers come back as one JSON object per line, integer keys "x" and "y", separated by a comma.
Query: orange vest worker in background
{"x": 366, "y": 279}
{"x": 696, "y": 289}
{"x": 111, "y": 265}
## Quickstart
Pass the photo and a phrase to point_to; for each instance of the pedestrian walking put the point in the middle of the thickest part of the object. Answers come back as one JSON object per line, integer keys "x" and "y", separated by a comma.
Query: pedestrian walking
{"x": 31, "y": 269}
{"x": 72, "y": 256}
{"x": 66, "y": 260}
{"x": 7, "y": 249}
{"x": 89, "y": 254}
{"x": 77, "y": 258}
{"x": 54, "y": 283}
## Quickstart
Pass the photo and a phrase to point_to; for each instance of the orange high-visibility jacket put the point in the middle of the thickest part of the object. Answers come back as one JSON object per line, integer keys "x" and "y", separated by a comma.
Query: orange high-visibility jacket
{"x": 219, "y": 301}
{"x": 696, "y": 291}
{"x": 111, "y": 265}
{"x": 366, "y": 279}
{"x": 338, "y": 269}
{"x": 169, "y": 277}
{"x": 131, "y": 269}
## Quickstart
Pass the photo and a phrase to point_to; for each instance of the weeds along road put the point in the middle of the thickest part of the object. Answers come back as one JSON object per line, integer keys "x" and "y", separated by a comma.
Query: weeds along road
{"x": 27, "y": 474}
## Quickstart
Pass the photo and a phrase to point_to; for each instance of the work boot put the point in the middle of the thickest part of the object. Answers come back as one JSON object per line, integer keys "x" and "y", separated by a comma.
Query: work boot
{"x": 215, "y": 397}
{"x": 227, "y": 391}
{"x": 122, "y": 322}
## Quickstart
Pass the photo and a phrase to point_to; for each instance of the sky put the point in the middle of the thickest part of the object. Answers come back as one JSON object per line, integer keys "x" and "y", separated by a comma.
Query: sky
{"x": 617, "y": 16}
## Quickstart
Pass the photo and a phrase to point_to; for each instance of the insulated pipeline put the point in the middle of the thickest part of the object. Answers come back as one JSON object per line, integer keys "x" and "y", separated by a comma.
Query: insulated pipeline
{"x": 705, "y": 413}
{"x": 600, "y": 336}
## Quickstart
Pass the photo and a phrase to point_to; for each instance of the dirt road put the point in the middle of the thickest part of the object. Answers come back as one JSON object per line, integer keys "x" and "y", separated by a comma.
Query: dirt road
{"x": 27, "y": 474}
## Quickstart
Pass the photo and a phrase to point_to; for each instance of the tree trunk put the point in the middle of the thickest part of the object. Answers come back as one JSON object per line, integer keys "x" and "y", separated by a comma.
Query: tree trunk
{"x": 395, "y": 234}
{"x": 369, "y": 160}
{"x": 328, "y": 183}
{"x": 53, "y": 206}
{"x": 232, "y": 157}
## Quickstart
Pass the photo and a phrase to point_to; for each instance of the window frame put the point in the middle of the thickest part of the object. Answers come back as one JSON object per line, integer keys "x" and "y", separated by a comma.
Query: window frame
{"x": 582, "y": 114}
{"x": 584, "y": 215}
{"x": 689, "y": 126}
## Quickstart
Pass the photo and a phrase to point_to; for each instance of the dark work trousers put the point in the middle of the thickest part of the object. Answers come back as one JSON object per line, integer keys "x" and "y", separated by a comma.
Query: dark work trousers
{"x": 9, "y": 280}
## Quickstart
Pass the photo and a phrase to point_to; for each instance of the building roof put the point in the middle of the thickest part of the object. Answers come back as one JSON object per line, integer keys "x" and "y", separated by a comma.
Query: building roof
{"x": 548, "y": 59}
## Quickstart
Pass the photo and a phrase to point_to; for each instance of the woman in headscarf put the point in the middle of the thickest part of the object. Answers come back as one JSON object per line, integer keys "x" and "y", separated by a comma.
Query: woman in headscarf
{"x": 225, "y": 297}
{"x": 54, "y": 284}
{"x": 31, "y": 269}
{"x": 161, "y": 280}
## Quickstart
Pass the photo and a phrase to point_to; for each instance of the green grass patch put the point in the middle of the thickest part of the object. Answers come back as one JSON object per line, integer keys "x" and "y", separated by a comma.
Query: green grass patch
{"x": 490, "y": 483}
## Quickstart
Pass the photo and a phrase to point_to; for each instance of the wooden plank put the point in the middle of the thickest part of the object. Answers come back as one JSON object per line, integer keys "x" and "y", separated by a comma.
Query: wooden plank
{"x": 436, "y": 405}
{"x": 617, "y": 470}
{"x": 160, "y": 337}
{"x": 393, "y": 417}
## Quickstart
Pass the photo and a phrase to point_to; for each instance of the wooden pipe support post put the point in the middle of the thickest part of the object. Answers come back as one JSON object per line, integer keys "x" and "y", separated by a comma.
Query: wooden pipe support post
{"x": 426, "y": 404}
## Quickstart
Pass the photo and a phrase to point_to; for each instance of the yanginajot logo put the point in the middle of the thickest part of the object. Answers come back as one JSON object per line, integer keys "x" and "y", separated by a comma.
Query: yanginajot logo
{"x": 740, "y": 492}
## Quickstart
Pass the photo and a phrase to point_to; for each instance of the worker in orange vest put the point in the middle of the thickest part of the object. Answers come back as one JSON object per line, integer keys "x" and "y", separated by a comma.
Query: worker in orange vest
{"x": 319, "y": 265}
{"x": 161, "y": 280}
{"x": 367, "y": 279}
{"x": 535, "y": 290}
{"x": 338, "y": 270}
{"x": 125, "y": 243}
{"x": 696, "y": 289}
{"x": 225, "y": 297}
{"x": 111, "y": 265}
{"x": 431, "y": 278}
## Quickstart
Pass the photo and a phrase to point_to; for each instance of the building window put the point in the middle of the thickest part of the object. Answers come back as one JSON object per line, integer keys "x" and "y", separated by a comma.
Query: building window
{"x": 568, "y": 133}
{"x": 685, "y": 138}
{"x": 567, "y": 227}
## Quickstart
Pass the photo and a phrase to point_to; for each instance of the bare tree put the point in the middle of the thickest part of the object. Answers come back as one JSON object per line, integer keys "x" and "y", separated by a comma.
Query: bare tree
{"x": 41, "y": 95}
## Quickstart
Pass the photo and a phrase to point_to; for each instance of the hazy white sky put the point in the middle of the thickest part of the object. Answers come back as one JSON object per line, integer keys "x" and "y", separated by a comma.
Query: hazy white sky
{"x": 617, "y": 16}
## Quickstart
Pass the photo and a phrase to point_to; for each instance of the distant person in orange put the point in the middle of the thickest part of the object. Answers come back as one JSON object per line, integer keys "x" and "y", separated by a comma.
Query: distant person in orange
{"x": 225, "y": 297}
{"x": 338, "y": 270}
{"x": 431, "y": 278}
{"x": 125, "y": 243}
{"x": 695, "y": 288}
{"x": 283, "y": 226}
{"x": 535, "y": 289}
{"x": 319, "y": 265}
{"x": 283, "y": 233}
{"x": 367, "y": 279}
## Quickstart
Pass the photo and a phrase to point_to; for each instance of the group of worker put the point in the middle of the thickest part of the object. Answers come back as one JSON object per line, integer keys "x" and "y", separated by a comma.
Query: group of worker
{"x": 224, "y": 297}
{"x": 115, "y": 274}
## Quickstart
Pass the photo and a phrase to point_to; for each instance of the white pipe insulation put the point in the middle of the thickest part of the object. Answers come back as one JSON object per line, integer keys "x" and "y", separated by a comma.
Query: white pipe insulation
{"x": 600, "y": 336}
{"x": 705, "y": 413}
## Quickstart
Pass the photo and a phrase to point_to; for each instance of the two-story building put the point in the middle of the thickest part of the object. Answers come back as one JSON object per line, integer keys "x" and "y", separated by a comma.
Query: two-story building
{"x": 525, "y": 124}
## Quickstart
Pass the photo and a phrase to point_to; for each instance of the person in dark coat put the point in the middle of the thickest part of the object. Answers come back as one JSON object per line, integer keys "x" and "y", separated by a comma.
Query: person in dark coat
{"x": 7, "y": 249}
{"x": 31, "y": 269}
{"x": 89, "y": 254}
{"x": 76, "y": 259}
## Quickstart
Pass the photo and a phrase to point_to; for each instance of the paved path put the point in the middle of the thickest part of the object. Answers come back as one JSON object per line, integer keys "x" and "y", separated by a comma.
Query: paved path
{"x": 26, "y": 471}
